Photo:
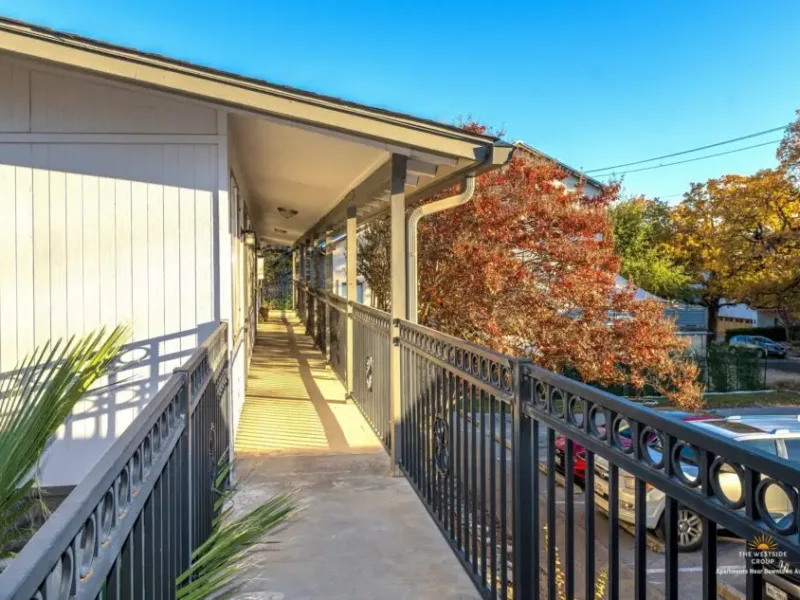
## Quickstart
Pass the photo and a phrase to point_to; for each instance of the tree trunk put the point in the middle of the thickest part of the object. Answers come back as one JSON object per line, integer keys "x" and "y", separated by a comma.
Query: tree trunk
{"x": 788, "y": 323}
{"x": 713, "y": 318}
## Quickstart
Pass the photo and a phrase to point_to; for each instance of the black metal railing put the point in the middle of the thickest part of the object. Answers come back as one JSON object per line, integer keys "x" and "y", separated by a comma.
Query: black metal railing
{"x": 493, "y": 446}
{"x": 485, "y": 435}
{"x": 338, "y": 334}
{"x": 457, "y": 405}
{"x": 129, "y": 528}
{"x": 371, "y": 349}
{"x": 320, "y": 321}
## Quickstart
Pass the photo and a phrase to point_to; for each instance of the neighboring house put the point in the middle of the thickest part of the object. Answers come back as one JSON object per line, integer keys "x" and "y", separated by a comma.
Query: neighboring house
{"x": 134, "y": 189}
{"x": 691, "y": 320}
{"x": 591, "y": 187}
{"x": 738, "y": 316}
{"x": 766, "y": 317}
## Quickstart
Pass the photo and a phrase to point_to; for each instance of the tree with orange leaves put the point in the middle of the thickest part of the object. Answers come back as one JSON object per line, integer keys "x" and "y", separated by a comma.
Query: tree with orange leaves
{"x": 528, "y": 268}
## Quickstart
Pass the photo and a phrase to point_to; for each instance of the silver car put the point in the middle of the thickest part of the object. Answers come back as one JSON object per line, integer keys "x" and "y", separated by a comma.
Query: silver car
{"x": 777, "y": 435}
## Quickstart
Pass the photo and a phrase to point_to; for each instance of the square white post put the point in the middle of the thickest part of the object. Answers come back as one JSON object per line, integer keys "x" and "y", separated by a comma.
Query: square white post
{"x": 397, "y": 200}
{"x": 352, "y": 283}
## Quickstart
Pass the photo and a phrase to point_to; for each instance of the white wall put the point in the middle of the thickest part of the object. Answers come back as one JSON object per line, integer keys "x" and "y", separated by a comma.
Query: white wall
{"x": 107, "y": 215}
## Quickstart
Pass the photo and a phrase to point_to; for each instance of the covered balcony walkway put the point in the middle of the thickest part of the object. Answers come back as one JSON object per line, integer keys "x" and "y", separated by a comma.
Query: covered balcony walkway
{"x": 362, "y": 533}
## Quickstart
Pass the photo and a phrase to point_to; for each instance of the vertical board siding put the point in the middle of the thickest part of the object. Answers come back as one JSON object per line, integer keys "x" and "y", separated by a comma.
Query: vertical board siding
{"x": 96, "y": 235}
{"x": 42, "y": 301}
{"x": 8, "y": 259}
{"x": 187, "y": 243}
{"x": 14, "y": 103}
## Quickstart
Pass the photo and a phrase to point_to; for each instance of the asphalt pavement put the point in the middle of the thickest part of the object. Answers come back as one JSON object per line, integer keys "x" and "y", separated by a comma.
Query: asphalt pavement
{"x": 785, "y": 365}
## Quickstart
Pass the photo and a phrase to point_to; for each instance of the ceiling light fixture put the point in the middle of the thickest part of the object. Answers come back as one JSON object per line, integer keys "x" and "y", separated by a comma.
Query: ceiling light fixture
{"x": 280, "y": 230}
{"x": 287, "y": 213}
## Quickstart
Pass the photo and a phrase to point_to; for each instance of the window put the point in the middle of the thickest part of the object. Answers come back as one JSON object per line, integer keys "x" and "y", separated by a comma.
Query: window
{"x": 765, "y": 446}
{"x": 793, "y": 449}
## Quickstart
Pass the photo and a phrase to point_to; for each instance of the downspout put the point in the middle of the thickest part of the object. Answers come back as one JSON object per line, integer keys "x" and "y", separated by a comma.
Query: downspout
{"x": 413, "y": 221}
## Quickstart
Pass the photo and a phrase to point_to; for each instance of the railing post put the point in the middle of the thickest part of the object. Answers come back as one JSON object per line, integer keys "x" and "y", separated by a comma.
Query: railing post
{"x": 397, "y": 199}
{"x": 294, "y": 279}
{"x": 522, "y": 488}
{"x": 187, "y": 476}
{"x": 328, "y": 290}
{"x": 352, "y": 283}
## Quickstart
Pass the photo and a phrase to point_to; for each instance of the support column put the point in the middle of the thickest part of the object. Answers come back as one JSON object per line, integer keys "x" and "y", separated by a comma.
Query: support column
{"x": 328, "y": 289}
{"x": 313, "y": 266}
{"x": 352, "y": 286}
{"x": 294, "y": 278}
{"x": 223, "y": 282}
{"x": 399, "y": 290}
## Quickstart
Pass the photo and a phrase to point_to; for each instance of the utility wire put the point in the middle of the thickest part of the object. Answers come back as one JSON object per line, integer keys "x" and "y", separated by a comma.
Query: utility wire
{"x": 688, "y": 160}
{"x": 738, "y": 139}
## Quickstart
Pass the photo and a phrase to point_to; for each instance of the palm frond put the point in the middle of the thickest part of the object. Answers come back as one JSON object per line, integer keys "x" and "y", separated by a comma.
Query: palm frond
{"x": 214, "y": 563}
{"x": 35, "y": 399}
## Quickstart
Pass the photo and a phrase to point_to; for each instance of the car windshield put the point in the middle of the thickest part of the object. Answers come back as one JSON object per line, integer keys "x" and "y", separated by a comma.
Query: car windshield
{"x": 766, "y": 446}
{"x": 793, "y": 450}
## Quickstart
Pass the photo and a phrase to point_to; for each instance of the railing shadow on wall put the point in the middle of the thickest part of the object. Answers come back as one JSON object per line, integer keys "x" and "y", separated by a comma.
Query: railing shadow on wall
{"x": 115, "y": 402}
{"x": 128, "y": 529}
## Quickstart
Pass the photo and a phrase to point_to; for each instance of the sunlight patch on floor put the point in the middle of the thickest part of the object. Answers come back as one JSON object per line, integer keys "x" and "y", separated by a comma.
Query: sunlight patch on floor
{"x": 294, "y": 402}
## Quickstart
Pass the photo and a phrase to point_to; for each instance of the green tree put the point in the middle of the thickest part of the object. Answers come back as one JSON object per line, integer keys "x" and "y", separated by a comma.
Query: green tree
{"x": 642, "y": 230}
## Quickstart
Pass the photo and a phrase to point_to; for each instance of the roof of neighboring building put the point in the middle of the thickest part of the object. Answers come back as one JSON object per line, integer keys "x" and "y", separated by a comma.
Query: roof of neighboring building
{"x": 738, "y": 311}
{"x": 572, "y": 171}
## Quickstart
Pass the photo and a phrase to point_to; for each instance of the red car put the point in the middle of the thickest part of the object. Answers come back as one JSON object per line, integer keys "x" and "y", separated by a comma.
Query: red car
{"x": 579, "y": 462}
{"x": 579, "y": 452}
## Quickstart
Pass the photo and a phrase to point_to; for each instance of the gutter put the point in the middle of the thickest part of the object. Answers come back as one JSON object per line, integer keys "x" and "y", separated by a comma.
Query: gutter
{"x": 413, "y": 222}
{"x": 499, "y": 154}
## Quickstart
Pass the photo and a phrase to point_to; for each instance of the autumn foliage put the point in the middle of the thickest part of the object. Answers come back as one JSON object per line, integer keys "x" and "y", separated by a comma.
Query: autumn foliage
{"x": 528, "y": 268}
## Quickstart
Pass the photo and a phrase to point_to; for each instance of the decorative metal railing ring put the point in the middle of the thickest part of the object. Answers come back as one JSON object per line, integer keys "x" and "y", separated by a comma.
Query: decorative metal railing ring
{"x": 678, "y": 458}
{"x": 476, "y": 362}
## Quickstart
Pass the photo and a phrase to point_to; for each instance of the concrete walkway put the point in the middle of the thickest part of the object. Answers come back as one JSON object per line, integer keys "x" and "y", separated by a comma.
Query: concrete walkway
{"x": 361, "y": 533}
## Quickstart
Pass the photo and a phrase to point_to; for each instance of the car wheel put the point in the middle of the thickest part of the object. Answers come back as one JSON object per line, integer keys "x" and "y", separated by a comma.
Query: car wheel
{"x": 690, "y": 530}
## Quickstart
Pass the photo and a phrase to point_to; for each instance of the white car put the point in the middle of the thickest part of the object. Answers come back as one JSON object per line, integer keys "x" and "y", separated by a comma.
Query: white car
{"x": 778, "y": 435}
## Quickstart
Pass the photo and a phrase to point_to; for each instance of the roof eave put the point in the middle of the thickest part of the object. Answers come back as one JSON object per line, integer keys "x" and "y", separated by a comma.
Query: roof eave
{"x": 229, "y": 90}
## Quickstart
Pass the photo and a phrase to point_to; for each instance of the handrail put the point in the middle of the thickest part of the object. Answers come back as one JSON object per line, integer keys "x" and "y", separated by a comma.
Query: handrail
{"x": 126, "y": 475}
{"x": 36, "y": 559}
{"x": 369, "y": 310}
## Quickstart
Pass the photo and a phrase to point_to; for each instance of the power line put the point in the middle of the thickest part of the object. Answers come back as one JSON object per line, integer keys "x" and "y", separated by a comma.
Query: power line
{"x": 688, "y": 160}
{"x": 738, "y": 139}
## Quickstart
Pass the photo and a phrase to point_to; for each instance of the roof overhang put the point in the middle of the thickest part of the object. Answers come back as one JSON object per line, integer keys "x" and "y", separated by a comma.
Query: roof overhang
{"x": 227, "y": 89}
{"x": 267, "y": 122}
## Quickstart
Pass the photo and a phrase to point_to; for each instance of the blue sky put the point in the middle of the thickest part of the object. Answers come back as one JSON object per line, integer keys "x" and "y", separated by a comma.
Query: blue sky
{"x": 591, "y": 83}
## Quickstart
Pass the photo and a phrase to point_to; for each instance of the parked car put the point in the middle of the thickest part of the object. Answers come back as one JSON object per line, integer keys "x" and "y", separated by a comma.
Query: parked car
{"x": 762, "y": 345}
{"x": 778, "y": 435}
{"x": 578, "y": 463}
{"x": 579, "y": 452}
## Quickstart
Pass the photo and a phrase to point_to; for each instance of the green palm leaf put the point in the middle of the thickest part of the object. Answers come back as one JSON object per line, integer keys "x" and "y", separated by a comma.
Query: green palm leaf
{"x": 35, "y": 399}
{"x": 214, "y": 563}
